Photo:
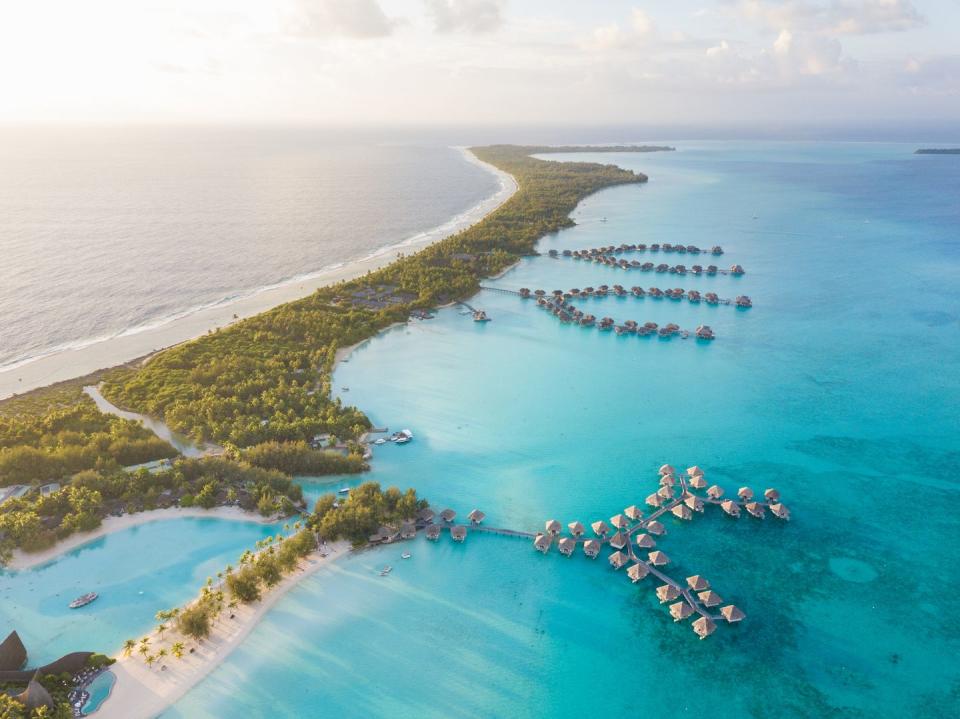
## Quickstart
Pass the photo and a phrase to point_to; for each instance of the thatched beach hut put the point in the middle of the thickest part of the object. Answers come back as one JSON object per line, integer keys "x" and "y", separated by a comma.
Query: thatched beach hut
{"x": 576, "y": 529}
{"x": 694, "y": 471}
{"x": 745, "y": 493}
{"x": 694, "y": 502}
{"x": 730, "y": 507}
{"x": 645, "y": 541}
{"x": 542, "y": 542}
{"x": 566, "y": 545}
{"x": 667, "y": 593}
{"x": 459, "y": 533}
{"x": 619, "y": 540}
{"x": 600, "y": 528}
{"x": 771, "y": 495}
{"x": 709, "y": 598}
{"x": 780, "y": 511}
{"x": 682, "y": 511}
{"x": 634, "y": 512}
{"x": 35, "y": 696}
{"x": 656, "y": 528}
{"x": 476, "y": 516}
{"x": 618, "y": 560}
{"x": 658, "y": 558}
{"x": 654, "y": 500}
{"x": 637, "y": 571}
{"x": 680, "y": 611}
{"x": 448, "y": 515}
{"x": 715, "y": 492}
{"x": 755, "y": 509}
{"x": 553, "y": 527}
{"x": 425, "y": 515}
{"x": 667, "y": 469}
{"x": 591, "y": 548}
{"x": 704, "y": 627}
{"x": 732, "y": 614}
{"x": 619, "y": 521}
{"x": 697, "y": 583}
{"x": 698, "y": 482}
{"x": 433, "y": 531}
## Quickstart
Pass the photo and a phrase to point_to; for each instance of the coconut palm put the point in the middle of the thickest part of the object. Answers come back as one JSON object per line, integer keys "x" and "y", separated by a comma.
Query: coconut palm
{"x": 161, "y": 628}
{"x": 150, "y": 659}
{"x": 161, "y": 653}
{"x": 129, "y": 646}
{"x": 177, "y": 650}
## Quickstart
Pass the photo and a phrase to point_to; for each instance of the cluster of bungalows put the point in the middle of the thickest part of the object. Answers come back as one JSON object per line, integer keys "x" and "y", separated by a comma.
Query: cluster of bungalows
{"x": 620, "y": 249}
{"x": 662, "y": 267}
{"x": 457, "y": 531}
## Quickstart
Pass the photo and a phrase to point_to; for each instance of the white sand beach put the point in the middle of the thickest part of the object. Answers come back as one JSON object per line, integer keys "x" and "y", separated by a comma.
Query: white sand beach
{"x": 142, "y": 692}
{"x": 126, "y": 347}
{"x": 26, "y": 560}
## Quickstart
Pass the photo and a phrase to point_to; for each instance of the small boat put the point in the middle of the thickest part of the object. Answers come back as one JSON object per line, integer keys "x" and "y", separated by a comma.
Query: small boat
{"x": 386, "y": 570}
{"x": 406, "y": 555}
{"x": 480, "y": 316}
{"x": 381, "y": 440}
{"x": 83, "y": 601}
{"x": 343, "y": 490}
{"x": 403, "y": 436}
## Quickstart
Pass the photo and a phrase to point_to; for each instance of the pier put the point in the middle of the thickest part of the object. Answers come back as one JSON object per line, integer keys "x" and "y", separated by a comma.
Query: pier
{"x": 630, "y": 534}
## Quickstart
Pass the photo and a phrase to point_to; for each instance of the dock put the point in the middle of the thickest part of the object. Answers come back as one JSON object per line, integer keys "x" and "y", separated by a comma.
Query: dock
{"x": 678, "y": 496}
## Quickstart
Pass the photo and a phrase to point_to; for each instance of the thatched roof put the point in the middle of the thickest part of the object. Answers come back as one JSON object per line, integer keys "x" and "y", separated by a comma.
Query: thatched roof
{"x": 426, "y": 514}
{"x": 694, "y": 471}
{"x": 600, "y": 528}
{"x": 697, "y": 583}
{"x": 645, "y": 541}
{"x": 654, "y": 500}
{"x": 710, "y": 598}
{"x": 667, "y": 593}
{"x": 618, "y": 559}
{"x": 730, "y": 507}
{"x": 13, "y": 655}
{"x": 542, "y": 542}
{"x": 591, "y": 547}
{"x": 637, "y": 571}
{"x": 755, "y": 509}
{"x": 715, "y": 492}
{"x": 619, "y": 521}
{"x": 567, "y": 545}
{"x": 667, "y": 480}
{"x": 745, "y": 493}
{"x": 665, "y": 492}
{"x": 576, "y": 528}
{"x": 695, "y": 503}
{"x": 458, "y": 532}
{"x": 634, "y": 512}
{"x": 448, "y": 515}
{"x": 408, "y": 530}
{"x": 667, "y": 469}
{"x": 619, "y": 540}
{"x": 731, "y": 613}
{"x": 553, "y": 526}
{"x": 655, "y": 527}
{"x": 704, "y": 627}
{"x": 658, "y": 558}
{"x": 682, "y": 511}
{"x": 680, "y": 611}
{"x": 772, "y": 495}
{"x": 35, "y": 696}
{"x": 780, "y": 510}
{"x": 476, "y": 516}
{"x": 433, "y": 531}
{"x": 698, "y": 482}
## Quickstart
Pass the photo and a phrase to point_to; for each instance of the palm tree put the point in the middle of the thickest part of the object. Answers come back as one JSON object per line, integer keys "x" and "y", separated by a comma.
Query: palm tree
{"x": 129, "y": 646}
{"x": 161, "y": 628}
{"x": 144, "y": 649}
{"x": 150, "y": 659}
{"x": 162, "y": 653}
{"x": 177, "y": 650}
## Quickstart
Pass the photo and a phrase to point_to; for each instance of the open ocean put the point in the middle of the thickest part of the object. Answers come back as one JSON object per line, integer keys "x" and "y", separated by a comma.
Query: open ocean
{"x": 105, "y": 232}
{"x": 840, "y": 387}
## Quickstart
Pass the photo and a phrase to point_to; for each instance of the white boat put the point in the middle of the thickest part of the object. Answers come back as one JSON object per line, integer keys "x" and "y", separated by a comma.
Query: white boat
{"x": 386, "y": 570}
{"x": 406, "y": 555}
{"x": 343, "y": 490}
{"x": 381, "y": 440}
{"x": 403, "y": 436}
{"x": 83, "y": 601}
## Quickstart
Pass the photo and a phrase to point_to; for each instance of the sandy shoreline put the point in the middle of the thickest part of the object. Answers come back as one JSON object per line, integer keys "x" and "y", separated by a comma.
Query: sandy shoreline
{"x": 142, "y": 692}
{"x": 81, "y": 361}
{"x": 25, "y": 560}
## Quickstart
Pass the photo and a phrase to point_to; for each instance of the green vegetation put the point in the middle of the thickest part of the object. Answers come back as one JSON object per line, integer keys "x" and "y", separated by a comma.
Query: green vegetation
{"x": 365, "y": 510}
{"x": 34, "y": 523}
{"x": 301, "y": 459}
{"x": 267, "y": 378}
{"x": 50, "y": 447}
{"x": 59, "y": 687}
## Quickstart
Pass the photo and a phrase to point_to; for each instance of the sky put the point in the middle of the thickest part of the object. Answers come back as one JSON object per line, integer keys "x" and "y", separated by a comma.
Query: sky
{"x": 476, "y": 62}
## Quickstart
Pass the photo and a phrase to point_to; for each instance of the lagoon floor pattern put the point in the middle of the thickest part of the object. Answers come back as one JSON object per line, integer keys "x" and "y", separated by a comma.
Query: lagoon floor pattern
{"x": 839, "y": 388}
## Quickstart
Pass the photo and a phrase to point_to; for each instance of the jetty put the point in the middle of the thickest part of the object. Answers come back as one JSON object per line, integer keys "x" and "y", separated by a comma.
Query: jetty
{"x": 631, "y": 539}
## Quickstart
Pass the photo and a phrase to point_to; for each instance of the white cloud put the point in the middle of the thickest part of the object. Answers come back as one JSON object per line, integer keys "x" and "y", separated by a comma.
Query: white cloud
{"x": 352, "y": 18}
{"x": 837, "y": 17}
{"x": 473, "y": 16}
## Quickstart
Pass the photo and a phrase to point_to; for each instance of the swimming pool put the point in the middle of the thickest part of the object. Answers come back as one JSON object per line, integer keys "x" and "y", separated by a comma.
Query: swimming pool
{"x": 99, "y": 689}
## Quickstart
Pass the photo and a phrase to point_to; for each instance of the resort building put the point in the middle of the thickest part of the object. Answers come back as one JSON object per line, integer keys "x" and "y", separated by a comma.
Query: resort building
{"x": 704, "y": 627}
{"x": 637, "y": 571}
{"x": 709, "y": 598}
{"x": 732, "y": 614}
{"x": 448, "y": 515}
{"x": 680, "y": 611}
{"x": 567, "y": 546}
{"x": 633, "y": 512}
{"x": 658, "y": 558}
{"x": 542, "y": 542}
{"x": 576, "y": 529}
{"x": 667, "y": 593}
{"x": 600, "y": 528}
{"x": 476, "y": 516}
{"x": 656, "y": 528}
{"x": 591, "y": 548}
{"x": 458, "y": 532}
{"x": 645, "y": 541}
{"x": 553, "y": 527}
{"x": 698, "y": 583}
{"x": 433, "y": 531}
{"x": 618, "y": 560}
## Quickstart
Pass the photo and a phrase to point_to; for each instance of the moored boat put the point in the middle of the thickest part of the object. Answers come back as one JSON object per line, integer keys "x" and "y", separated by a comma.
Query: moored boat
{"x": 83, "y": 601}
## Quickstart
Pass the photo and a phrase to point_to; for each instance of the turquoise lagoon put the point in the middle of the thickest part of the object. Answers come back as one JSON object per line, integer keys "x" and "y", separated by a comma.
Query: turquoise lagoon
{"x": 839, "y": 387}
{"x": 136, "y": 571}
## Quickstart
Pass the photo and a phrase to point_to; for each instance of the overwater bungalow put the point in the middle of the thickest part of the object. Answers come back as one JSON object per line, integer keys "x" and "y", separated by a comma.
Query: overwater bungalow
{"x": 645, "y": 541}
{"x": 694, "y": 502}
{"x": 637, "y": 291}
{"x": 704, "y": 627}
{"x": 619, "y": 540}
{"x": 711, "y": 298}
{"x": 524, "y": 292}
{"x": 587, "y": 291}
{"x": 743, "y": 301}
{"x": 655, "y": 292}
{"x": 646, "y": 266}
{"x": 745, "y": 493}
{"x": 618, "y": 559}
{"x": 433, "y": 531}
{"x": 694, "y": 296}
{"x": 682, "y": 511}
{"x": 705, "y": 332}
{"x": 576, "y": 529}
{"x": 656, "y": 528}
{"x": 697, "y": 583}
{"x": 693, "y": 249}
{"x": 637, "y": 571}
{"x": 736, "y": 270}
{"x": 539, "y": 293}
{"x": 553, "y": 527}
{"x": 667, "y": 247}
{"x": 715, "y": 492}
{"x": 696, "y": 269}
{"x": 603, "y": 289}
{"x": 662, "y": 267}
{"x": 567, "y": 546}
{"x": 698, "y": 482}
{"x": 542, "y": 542}
{"x": 680, "y": 610}
{"x": 634, "y": 512}
{"x": 667, "y": 480}
{"x": 666, "y": 469}
{"x": 716, "y": 250}
{"x": 619, "y": 521}
{"x": 771, "y": 495}
{"x": 448, "y": 515}
{"x": 600, "y": 528}
{"x": 712, "y": 269}
{"x": 709, "y": 598}
{"x": 408, "y": 530}
{"x": 619, "y": 291}
{"x": 425, "y": 515}
{"x": 732, "y": 614}
{"x": 694, "y": 471}
{"x": 658, "y": 558}
{"x": 654, "y": 500}
{"x": 730, "y": 507}
{"x": 654, "y": 247}
{"x": 591, "y": 548}
{"x": 780, "y": 511}
{"x": 680, "y": 269}
{"x": 755, "y": 509}
{"x": 666, "y": 492}
{"x": 476, "y": 516}
{"x": 567, "y": 253}
{"x": 552, "y": 253}
{"x": 588, "y": 320}
{"x": 458, "y": 532}
{"x": 667, "y": 593}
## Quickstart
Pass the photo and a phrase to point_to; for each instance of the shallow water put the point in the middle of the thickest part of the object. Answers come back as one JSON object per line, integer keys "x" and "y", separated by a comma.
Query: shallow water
{"x": 136, "y": 572}
{"x": 839, "y": 387}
